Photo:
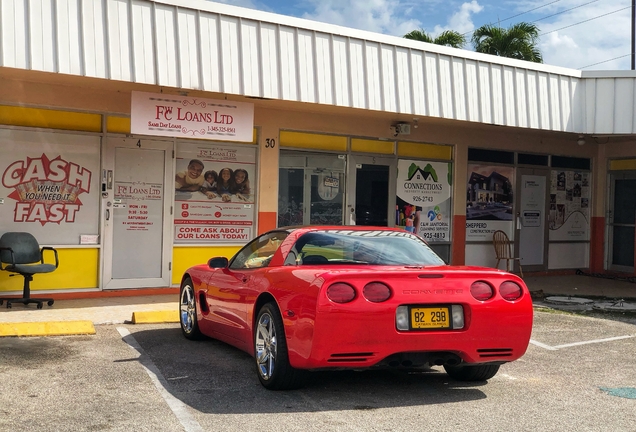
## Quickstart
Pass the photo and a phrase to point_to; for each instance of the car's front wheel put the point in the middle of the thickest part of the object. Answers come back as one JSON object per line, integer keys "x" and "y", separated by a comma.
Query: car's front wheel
{"x": 472, "y": 373}
{"x": 188, "y": 311}
{"x": 270, "y": 351}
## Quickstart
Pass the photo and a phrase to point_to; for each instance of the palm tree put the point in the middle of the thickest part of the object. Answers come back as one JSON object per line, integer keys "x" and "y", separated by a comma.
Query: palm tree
{"x": 519, "y": 41}
{"x": 449, "y": 38}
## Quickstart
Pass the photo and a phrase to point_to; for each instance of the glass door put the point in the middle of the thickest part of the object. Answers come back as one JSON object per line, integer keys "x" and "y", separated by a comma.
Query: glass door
{"x": 622, "y": 221}
{"x": 136, "y": 213}
{"x": 370, "y": 200}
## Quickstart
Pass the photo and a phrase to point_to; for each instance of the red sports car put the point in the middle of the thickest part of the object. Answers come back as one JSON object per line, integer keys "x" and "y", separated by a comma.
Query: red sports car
{"x": 309, "y": 298}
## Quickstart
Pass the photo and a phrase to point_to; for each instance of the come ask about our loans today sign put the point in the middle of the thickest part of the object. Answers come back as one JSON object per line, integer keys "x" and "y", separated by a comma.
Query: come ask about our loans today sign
{"x": 191, "y": 117}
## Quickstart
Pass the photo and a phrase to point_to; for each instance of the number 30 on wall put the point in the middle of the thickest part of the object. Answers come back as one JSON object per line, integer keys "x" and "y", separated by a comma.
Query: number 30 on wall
{"x": 270, "y": 143}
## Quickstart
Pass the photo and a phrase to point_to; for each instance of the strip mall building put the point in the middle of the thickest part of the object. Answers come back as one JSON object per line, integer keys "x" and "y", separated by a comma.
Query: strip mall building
{"x": 104, "y": 104}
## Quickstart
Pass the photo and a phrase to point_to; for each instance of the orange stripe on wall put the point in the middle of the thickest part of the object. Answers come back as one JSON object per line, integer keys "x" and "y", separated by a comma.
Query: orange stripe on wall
{"x": 458, "y": 252}
{"x": 597, "y": 244}
{"x": 266, "y": 221}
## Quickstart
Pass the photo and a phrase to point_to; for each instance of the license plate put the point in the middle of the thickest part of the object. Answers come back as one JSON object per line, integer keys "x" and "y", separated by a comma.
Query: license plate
{"x": 430, "y": 318}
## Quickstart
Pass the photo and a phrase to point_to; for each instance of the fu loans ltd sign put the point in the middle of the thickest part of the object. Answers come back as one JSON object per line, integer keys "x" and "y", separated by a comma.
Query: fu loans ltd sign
{"x": 46, "y": 190}
{"x": 191, "y": 117}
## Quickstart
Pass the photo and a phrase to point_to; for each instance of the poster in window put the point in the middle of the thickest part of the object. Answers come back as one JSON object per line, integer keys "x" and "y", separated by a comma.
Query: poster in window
{"x": 215, "y": 193}
{"x": 49, "y": 185}
{"x": 423, "y": 199}
{"x": 569, "y": 205}
{"x": 489, "y": 201}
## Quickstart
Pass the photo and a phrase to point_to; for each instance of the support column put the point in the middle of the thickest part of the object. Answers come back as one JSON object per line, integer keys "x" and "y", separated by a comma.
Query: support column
{"x": 460, "y": 168}
{"x": 597, "y": 219}
{"x": 268, "y": 142}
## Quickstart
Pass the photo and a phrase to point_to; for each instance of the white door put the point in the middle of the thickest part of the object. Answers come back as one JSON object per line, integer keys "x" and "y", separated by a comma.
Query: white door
{"x": 532, "y": 217}
{"x": 137, "y": 213}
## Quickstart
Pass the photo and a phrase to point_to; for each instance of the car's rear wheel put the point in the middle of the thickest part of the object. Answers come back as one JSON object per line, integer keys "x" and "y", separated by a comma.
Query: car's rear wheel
{"x": 188, "y": 311}
{"x": 270, "y": 351}
{"x": 472, "y": 373}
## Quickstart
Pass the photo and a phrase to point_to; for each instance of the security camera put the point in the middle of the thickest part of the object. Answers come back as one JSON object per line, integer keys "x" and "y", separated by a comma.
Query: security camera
{"x": 394, "y": 131}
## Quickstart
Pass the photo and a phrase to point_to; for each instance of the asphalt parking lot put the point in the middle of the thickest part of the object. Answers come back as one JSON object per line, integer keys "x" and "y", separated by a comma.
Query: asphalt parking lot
{"x": 579, "y": 374}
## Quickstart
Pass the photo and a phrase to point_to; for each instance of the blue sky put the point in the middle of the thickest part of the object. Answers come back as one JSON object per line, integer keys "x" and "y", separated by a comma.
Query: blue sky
{"x": 577, "y": 34}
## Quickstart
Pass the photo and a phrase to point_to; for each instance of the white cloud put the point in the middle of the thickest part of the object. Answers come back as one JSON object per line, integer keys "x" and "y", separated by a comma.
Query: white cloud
{"x": 577, "y": 42}
{"x": 381, "y": 16}
{"x": 461, "y": 21}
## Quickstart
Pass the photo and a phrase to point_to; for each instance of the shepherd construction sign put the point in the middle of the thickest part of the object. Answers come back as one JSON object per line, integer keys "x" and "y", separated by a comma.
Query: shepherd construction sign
{"x": 191, "y": 117}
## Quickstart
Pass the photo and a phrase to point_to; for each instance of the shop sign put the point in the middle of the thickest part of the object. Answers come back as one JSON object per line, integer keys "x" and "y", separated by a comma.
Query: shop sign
{"x": 423, "y": 202}
{"x": 489, "y": 201}
{"x": 215, "y": 190}
{"x": 569, "y": 205}
{"x": 46, "y": 189}
{"x": 191, "y": 117}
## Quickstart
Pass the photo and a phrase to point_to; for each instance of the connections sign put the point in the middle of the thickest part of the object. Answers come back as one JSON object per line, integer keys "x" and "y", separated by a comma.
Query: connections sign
{"x": 423, "y": 199}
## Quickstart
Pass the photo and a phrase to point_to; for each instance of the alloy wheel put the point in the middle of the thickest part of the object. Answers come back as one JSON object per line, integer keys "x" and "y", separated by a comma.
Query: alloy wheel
{"x": 187, "y": 309}
{"x": 266, "y": 346}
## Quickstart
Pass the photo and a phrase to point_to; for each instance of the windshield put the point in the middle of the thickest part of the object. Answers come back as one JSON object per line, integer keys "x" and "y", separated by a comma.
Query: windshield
{"x": 376, "y": 247}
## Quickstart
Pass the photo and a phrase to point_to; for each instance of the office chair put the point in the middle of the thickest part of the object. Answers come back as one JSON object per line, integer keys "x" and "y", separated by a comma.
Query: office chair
{"x": 20, "y": 254}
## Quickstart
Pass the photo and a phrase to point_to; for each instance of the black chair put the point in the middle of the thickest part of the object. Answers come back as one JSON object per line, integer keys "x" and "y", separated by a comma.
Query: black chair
{"x": 21, "y": 254}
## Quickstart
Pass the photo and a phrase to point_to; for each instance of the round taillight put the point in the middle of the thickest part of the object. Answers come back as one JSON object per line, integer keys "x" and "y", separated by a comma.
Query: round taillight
{"x": 376, "y": 292}
{"x": 341, "y": 293}
{"x": 510, "y": 291}
{"x": 482, "y": 291}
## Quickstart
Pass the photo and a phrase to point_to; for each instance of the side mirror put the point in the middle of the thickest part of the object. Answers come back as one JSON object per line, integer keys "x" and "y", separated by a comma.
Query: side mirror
{"x": 218, "y": 262}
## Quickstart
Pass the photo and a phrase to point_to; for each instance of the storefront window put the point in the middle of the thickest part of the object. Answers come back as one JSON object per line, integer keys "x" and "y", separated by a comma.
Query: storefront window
{"x": 50, "y": 185}
{"x": 215, "y": 193}
{"x": 310, "y": 189}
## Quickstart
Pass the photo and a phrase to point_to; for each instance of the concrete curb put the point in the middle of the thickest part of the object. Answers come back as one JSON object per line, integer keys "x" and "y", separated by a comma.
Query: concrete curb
{"x": 48, "y": 328}
{"x": 155, "y": 317}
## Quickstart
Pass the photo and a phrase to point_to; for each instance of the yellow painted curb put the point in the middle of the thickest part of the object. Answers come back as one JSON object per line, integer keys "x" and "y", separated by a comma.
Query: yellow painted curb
{"x": 155, "y": 317}
{"x": 48, "y": 328}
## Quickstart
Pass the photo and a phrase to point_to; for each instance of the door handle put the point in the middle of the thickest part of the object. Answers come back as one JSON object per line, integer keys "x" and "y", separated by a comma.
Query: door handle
{"x": 107, "y": 214}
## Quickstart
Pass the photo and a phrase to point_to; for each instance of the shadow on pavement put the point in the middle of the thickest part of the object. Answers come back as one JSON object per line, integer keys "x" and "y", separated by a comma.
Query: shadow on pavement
{"x": 213, "y": 377}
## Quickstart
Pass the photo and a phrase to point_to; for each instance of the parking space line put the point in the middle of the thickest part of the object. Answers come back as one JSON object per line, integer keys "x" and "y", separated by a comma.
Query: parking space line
{"x": 594, "y": 341}
{"x": 542, "y": 345}
{"x": 557, "y": 347}
{"x": 180, "y": 410}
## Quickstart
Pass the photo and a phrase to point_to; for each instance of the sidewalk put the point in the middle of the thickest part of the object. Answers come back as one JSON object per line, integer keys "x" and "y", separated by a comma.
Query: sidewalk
{"x": 118, "y": 310}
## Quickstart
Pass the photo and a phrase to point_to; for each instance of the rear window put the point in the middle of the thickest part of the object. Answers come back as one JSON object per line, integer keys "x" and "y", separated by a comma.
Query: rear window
{"x": 377, "y": 247}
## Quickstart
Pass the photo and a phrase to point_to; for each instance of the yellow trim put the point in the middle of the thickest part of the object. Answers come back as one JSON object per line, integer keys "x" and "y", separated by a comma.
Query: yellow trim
{"x": 254, "y": 136}
{"x": 79, "y": 268}
{"x": 53, "y": 119}
{"x": 313, "y": 141}
{"x": 47, "y": 328}
{"x": 155, "y": 317}
{"x": 421, "y": 150}
{"x": 118, "y": 124}
{"x": 372, "y": 146}
{"x": 623, "y": 165}
{"x": 186, "y": 257}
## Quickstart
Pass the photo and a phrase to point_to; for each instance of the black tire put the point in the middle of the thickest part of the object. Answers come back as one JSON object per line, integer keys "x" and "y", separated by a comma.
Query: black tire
{"x": 50, "y": 302}
{"x": 472, "y": 373}
{"x": 188, "y": 311}
{"x": 270, "y": 352}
